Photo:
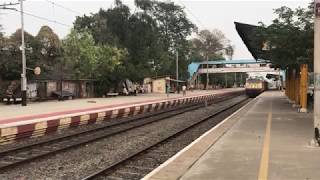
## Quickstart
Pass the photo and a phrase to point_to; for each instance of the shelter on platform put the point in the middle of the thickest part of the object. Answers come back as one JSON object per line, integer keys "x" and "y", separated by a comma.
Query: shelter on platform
{"x": 297, "y": 84}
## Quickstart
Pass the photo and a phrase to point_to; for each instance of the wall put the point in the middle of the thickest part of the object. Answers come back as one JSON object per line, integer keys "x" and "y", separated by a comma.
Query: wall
{"x": 159, "y": 86}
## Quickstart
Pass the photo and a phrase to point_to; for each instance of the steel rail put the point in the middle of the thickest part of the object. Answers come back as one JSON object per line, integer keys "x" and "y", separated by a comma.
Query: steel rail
{"x": 10, "y": 157}
{"x": 156, "y": 143}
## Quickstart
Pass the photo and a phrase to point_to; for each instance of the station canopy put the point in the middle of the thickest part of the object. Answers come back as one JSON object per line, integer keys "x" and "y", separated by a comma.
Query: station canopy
{"x": 248, "y": 34}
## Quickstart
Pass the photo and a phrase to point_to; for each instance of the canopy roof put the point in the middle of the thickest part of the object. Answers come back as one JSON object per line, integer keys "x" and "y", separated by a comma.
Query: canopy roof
{"x": 248, "y": 34}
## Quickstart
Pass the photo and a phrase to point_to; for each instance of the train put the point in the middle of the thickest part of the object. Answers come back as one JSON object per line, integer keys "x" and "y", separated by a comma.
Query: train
{"x": 254, "y": 87}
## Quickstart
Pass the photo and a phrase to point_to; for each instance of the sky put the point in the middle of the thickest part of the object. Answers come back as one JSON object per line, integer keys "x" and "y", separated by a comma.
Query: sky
{"x": 206, "y": 14}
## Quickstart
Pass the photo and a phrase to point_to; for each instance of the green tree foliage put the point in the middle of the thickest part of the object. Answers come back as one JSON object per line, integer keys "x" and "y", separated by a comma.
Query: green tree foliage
{"x": 88, "y": 60}
{"x": 43, "y": 50}
{"x": 174, "y": 28}
{"x": 210, "y": 44}
{"x": 80, "y": 54}
{"x": 289, "y": 38}
{"x": 10, "y": 54}
{"x": 150, "y": 35}
{"x": 49, "y": 49}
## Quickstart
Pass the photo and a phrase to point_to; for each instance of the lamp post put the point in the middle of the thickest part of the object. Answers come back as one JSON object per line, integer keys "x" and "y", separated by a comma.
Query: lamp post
{"x": 24, "y": 66}
{"x": 316, "y": 66}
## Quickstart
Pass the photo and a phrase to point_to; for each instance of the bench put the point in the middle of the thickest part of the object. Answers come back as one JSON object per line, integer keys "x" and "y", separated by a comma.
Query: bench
{"x": 112, "y": 94}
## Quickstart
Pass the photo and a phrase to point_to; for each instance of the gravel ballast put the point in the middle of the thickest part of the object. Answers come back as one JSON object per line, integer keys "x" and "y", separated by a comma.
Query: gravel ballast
{"x": 78, "y": 162}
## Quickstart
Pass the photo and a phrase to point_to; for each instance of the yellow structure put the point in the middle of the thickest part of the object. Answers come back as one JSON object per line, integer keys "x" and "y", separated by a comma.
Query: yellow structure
{"x": 297, "y": 86}
{"x": 303, "y": 87}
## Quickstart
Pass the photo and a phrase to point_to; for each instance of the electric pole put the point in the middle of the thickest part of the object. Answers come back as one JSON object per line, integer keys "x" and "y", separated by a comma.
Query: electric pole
{"x": 24, "y": 66}
{"x": 177, "y": 69}
{"x": 23, "y": 48}
{"x": 207, "y": 85}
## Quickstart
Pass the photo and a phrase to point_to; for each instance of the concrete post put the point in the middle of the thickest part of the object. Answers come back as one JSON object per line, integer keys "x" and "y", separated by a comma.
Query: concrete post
{"x": 24, "y": 64}
{"x": 177, "y": 70}
{"x": 317, "y": 69}
{"x": 304, "y": 88}
{"x": 207, "y": 83}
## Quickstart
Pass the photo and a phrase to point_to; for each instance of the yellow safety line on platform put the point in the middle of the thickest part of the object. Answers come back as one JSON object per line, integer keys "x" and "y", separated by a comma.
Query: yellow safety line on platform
{"x": 264, "y": 163}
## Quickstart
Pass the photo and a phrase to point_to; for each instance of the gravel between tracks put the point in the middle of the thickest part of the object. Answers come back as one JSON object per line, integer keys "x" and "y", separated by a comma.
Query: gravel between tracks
{"x": 76, "y": 163}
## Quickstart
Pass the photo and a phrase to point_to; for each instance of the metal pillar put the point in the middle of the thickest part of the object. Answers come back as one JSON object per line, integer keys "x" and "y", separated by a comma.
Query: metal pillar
{"x": 177, "y": 71}
{"x": 304, "y": 87}
{"x": 207, "y": 84}
{"x": 235, "y": 79}
{"x": 316, "y": 66}
{"x": 24, "y": 66}
{"x": 226, "y": 80}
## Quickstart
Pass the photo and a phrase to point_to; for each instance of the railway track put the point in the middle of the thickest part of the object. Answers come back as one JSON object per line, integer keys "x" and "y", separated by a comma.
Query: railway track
{"x": 139, "y": 163}
{"x": 17, "y": 155}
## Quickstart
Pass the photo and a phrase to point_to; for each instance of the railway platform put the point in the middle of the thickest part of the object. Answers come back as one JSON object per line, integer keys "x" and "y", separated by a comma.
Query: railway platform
{"x": 38, "y": 119}
{"x": 266, "y": 139}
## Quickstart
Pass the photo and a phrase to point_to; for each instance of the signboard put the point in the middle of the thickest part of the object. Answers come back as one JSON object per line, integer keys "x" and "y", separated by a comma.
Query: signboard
{"x": 317, "y": 8}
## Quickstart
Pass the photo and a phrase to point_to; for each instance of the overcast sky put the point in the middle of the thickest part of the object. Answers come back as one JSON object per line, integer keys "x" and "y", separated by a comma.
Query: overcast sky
{"x": 205, "y": 14}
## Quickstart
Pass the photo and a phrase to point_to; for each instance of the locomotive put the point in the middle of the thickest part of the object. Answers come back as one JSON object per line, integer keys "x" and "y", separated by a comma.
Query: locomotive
{"x": 254, "y": 87}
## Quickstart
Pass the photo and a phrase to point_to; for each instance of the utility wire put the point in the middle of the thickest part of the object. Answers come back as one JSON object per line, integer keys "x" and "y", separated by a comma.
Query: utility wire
{"x": 197, "y": 19}
{"x": 8, "y": 4}
{"x": 3, "y": 6}
{"x": 43, "y": 18}
{"x": 63, "y": 7}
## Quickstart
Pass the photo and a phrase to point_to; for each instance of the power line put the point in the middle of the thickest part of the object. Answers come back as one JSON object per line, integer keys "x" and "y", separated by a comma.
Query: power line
{"x": 4, "y": 6}
{"x": 63, "y": 7}
{"x": 8, "y": 4}
{"x": 43, "y": 18}
{"x": 197, "y": 19}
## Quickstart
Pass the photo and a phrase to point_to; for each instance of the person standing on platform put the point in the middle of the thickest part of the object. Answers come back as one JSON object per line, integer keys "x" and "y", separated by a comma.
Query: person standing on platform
{"x": 184, "y": 90}
{"x": 168, "y": 90}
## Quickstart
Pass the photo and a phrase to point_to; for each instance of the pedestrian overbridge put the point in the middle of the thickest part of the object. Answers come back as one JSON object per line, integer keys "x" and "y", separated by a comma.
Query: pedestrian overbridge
{"x": 230, "y": 73}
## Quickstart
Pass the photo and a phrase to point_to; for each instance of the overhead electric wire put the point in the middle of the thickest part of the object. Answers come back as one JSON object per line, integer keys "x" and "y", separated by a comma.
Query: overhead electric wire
{"x": 3, "y": 6}
{"x": 9, "y": 4}
{"x": 63, "y": 7}
{"x": 197, "y": 19}
{"x": 43, "y": 18}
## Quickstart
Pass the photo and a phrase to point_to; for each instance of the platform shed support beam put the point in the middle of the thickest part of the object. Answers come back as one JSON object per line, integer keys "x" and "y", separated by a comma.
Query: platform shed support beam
{"x": 292, "y": 79}
{"x": 287, "y": 83}
{"x": 297, "y": 89}
{"x": 304, "y": 88}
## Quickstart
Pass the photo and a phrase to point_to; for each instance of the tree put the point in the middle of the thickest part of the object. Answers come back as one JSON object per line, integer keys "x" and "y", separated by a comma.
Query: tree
{"x": 173, "y": 24}
{"x": 229, "y": 51}
{"x": 49, "y": 49}
{"x": 150, "y": 35}
{"x": 89, "y": 60}
{"x": 174, "y": 28}
{"x": 211, "y": 45}
{"x": 289, "y": 38}
{"x": 10, "y": 55}
{"x": 80, "y": 54}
